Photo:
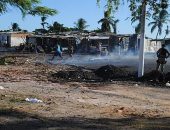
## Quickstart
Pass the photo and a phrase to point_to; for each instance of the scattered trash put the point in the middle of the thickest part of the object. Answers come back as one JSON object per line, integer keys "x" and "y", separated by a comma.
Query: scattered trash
{"x": 120, "y": 110}
{"x": 33, "y": 100}
{"x": 2, "y": 88}
{"x": 168, "y": 84}
{"x": 136, "y": 85}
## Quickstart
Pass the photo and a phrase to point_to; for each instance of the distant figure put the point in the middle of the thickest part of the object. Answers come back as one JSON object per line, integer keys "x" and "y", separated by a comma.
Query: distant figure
{"x": 162, "y": 55}
{"x": 70, "y": 50}
{"x": 104, "y": 52}
{"x": 58, "y": 51}
{"x": 99, "y": 47}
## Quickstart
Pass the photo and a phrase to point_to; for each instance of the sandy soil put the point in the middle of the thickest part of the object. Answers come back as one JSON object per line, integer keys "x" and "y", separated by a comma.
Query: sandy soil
{"x": 116, "y": 105}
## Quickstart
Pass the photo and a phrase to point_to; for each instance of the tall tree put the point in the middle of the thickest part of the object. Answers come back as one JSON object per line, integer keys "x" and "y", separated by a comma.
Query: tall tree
{"x": 28, "y": 7}
{"x": 15, "y": 27}
{"x": 115, "y": 26}
{"x": 23, "y": 5}
{"x": 44, "y": 12}
{"x": 57, "y": 27}
{"x": 108, "y": 22}
{"x": 135, "y": 7}
{"x": 158, "y": 22}
{"x": 43, "y": 21}
{"x": 81, "y": 24}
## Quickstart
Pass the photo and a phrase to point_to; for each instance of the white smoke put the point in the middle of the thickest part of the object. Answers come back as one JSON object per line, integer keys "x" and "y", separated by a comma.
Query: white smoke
{"x": 128, "y": 61}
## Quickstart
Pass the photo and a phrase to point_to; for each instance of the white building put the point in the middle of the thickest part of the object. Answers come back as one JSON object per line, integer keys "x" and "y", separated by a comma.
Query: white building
{"x": 12, "y": 39}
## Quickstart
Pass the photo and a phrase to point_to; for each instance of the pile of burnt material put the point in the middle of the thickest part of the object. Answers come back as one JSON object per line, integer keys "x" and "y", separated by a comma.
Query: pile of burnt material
{"x": 110, "y": 72}
{"x": 78, "y": 74}
{"x": 154, "y": 75}
{"x": 104, "y": 73}
{"x": 167, "y": 77}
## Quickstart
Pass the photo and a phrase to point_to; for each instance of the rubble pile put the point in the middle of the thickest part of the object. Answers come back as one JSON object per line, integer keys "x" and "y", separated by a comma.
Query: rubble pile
{"x": 154, "y": 75}
{"x": 13, "y": 60}
{"x": 167, "y": 77}
{"x": 111, "y": 72}
{"x": 76, "y": 75}
{"x": 2, "y": 61}
{"x": 104, "y": 73}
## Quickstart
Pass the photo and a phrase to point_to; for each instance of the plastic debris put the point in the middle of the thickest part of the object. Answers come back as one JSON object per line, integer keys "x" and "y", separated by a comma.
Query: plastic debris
{"x": 168, "y": 84}
{"x": 136, "y": 85}
{"x": 121, "y": 110}
{"x": 2, "y": 88}
{"x": 33, "y": 100}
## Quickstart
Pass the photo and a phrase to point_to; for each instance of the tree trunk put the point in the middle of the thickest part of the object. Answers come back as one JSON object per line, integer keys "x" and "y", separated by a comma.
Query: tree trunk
{"x": 157, "y": 37}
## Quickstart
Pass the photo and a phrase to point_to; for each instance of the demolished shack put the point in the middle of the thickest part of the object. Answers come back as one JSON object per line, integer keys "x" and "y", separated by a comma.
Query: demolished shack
{"x": 87, "y": 43}
{"x": 110, "y": 42}
{"x": 90, "y": 44}
{"x": 47, "y": 43}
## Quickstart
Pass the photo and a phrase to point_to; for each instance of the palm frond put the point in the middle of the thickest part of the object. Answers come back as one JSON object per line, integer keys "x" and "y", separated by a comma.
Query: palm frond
{"x": 153, "y": 28}
{"x": 151, "y": 23}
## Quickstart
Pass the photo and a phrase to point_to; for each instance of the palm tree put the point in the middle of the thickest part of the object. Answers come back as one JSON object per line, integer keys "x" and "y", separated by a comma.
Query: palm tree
{"x": 15, "y": 27}
{"x": 81, "y": 24}
{"x": 44, "y": 12}
{"x": 43, "y": 21}
{"x": 136, "y": 7}
{"x": 56, "y": 27}
{"x": 23, "y": 5}
{"x": 115, "y": 26}
{"x": 108, "y": 22}
{"x": 159, "y": 20}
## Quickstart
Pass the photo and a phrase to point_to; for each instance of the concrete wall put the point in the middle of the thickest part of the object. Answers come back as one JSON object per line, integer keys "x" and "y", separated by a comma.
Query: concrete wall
{"x": 18, "y": 38}
{"x": 16, "y": 41}
{"x": 152, "y": 46}
{"x": 4, "y": 38}
{"x": 12, "y": 38}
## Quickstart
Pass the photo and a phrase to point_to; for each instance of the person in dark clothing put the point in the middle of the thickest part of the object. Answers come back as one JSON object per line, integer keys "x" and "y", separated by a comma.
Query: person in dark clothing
{"x": 162, "y": 55}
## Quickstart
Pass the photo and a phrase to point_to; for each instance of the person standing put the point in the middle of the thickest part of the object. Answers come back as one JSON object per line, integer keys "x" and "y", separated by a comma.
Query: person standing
{"x": 162, "y": 55}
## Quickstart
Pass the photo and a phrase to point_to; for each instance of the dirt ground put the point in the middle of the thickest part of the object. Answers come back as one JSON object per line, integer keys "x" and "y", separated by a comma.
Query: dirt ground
{"x": 115, "y": 105}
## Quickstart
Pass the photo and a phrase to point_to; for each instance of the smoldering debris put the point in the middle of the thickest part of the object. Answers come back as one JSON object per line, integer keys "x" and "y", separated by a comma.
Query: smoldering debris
{"x": 76, "y": 75}
{"x": 104, "y": 73}
{"x": 153, "y": 75}
{"x": 167, "y": 77}
{"x": 111, "y": 72}
{"x": 156, "y": 76}
{"x": 107, "y": 73}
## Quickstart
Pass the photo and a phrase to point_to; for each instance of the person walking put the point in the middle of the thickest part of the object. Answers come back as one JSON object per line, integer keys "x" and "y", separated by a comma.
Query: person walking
{"x": 58, "y": 51}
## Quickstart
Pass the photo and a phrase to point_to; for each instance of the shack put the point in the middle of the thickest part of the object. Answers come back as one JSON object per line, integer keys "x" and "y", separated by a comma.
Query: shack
{"x": 48, "y": 42}
{"x": 89, "y": 44}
